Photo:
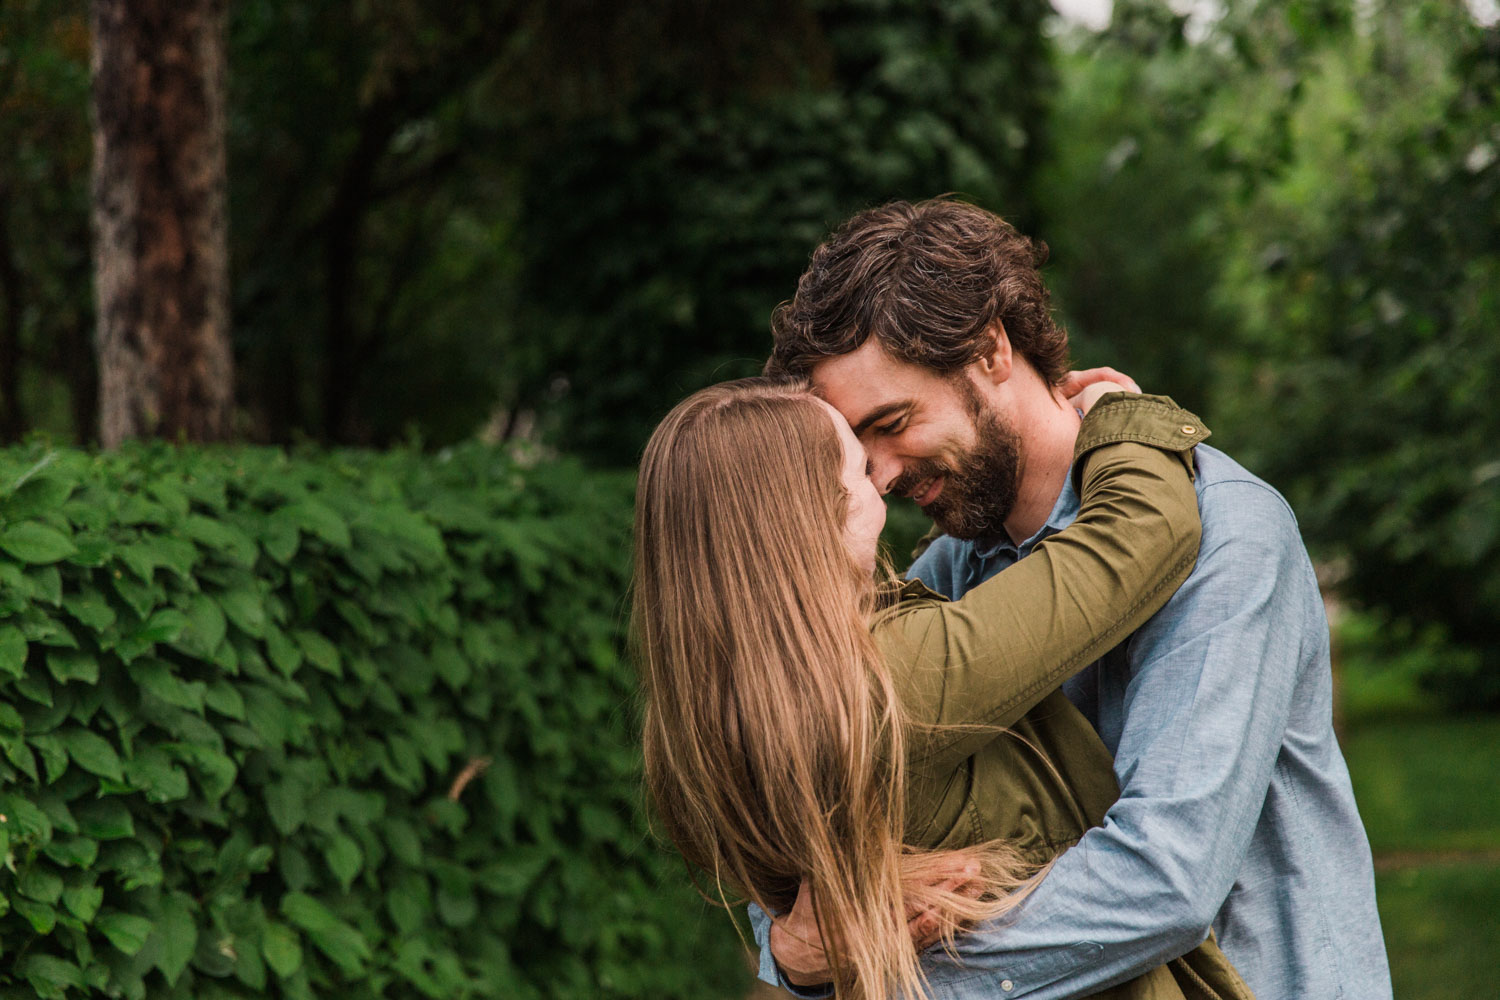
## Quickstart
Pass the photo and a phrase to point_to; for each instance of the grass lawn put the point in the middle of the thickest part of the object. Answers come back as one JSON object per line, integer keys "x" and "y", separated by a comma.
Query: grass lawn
{"x": 1428, "y": 787}
{"x": 1428, "y": 784}
{"x": 1442, "y": 931}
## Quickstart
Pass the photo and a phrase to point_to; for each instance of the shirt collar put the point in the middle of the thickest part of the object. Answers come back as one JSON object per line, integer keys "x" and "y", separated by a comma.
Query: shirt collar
{"x": 1064, "y": 510}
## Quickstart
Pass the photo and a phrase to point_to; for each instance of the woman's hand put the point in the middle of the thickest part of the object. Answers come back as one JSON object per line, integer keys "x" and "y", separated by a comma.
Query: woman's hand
{"x": 1083, "y": 389}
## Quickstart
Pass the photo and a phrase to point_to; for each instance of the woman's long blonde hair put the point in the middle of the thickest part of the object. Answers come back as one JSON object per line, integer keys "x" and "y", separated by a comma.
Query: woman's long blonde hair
{"x": 774, "y": 742}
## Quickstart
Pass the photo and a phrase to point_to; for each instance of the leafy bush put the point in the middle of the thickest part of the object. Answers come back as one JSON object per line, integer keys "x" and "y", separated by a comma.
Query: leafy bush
{"x": 242, "y": 696}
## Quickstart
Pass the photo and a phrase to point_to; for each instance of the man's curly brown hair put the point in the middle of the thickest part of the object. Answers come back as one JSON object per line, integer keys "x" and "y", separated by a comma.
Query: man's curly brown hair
{"x": 926, "y": 280}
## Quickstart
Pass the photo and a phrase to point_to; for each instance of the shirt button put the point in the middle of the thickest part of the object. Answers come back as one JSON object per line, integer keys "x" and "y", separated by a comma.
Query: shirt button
{"x": 1189, "y": 429}
{"x": 1007, "y": 985}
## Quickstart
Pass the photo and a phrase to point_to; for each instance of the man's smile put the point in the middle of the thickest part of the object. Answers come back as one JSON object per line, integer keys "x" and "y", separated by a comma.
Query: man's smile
{"x": 927, "y": 490}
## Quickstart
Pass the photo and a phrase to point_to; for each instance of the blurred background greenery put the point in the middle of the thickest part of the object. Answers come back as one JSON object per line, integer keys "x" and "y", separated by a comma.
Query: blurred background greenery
{"x": 548, "y": 221}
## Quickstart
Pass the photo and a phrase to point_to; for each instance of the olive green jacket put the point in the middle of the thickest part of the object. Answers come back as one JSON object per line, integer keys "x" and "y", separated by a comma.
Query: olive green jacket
{"x": 994, "y": 749}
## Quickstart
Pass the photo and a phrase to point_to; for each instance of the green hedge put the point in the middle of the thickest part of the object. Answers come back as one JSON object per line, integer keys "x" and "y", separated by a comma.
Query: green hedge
{"x": 239, "y": 693}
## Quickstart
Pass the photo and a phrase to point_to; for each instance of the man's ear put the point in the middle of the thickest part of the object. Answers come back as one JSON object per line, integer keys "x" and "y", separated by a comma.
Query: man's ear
{"x": 996, "y": 364}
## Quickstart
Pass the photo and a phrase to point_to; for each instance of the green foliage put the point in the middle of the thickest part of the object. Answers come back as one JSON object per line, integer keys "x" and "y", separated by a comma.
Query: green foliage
{"x": 1128, "y": 197}
{"x": 658, "y": 240}
{"x": 47, "y": 376}
{"x": 246, "y": 706}
{"x": 1364, "y": 278}
{"x": 1290, "y": 215}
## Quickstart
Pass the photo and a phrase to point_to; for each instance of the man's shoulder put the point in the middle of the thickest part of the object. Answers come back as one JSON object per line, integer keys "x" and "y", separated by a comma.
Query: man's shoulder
{"x": 1236, "y": 504}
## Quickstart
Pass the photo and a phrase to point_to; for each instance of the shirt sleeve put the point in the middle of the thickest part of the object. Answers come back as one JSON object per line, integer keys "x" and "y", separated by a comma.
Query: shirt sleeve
{"x": 769, "y": 972}
{"x": 964, "y": 667}
{"x": 1206, "y": 708}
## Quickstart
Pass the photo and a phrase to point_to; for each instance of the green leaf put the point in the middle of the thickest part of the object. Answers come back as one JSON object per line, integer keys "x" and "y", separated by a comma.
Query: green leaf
{"x": 104, "y": 819}
{"x": 318, "y": 519}
{"x": 38, "y": 495}
{"x": 286, "y": 802}
{"x": 451, "y": 665}
{"x": 282, "y": 651}
{"x": 154, "y": 772}
{"x": 514, "y": 874}
{"x": 140, "y": 596}
{"x": 90, "y": 607}
{"x": 319, "y": 652}
{"x": 403, "y": 841}
{"x": 41, "y": 916}
{"x": 93, "y": 551}
{"x": 216, "y": 771}
{"x": 18, "y": 753}
{"x": 408, "y": 901}
{"x": 221, "y": 537}
{"x": 24, "y": 820}
{"x": 12, "y": 651}
{"x": 10, "y": 718}
{"x": 40, "y": 884}
{"x": 247, "y": 609}
{"x": 134, "y": 865}
{"x": 334, "y": 938}
{"x": 344, "y": 859}
{"x": 175, "y": 553}
{"x": 281, "y": 539}
{"x": 224, "y": 698}
{"x": 50, "y": 976}
{"x": 156, "y": 678}
{"x": 93, "y": 753}
{"x": 73, "y": 852}
{"x": 164, "y": 625}
{"x": 36, "y": 687}
{"x": 83, "y": 901}
{"x": 175, "y": 934}
{"x": 206, "y": 623}
{"x": 54, "y": 754}
{"x": 73, "y": 665}
{"x": 31, "y": 542}
{"x": 46, "y": 584}
{"x": 125, "y": 931}
{"x": 281, "y": 948}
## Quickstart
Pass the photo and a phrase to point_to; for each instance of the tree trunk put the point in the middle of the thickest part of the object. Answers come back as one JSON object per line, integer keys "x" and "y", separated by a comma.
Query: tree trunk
{"x": 161, "y": 252}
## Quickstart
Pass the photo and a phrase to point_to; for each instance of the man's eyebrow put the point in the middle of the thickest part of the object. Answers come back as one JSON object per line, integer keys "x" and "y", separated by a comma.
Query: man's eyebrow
{"x": 878, "y": 414}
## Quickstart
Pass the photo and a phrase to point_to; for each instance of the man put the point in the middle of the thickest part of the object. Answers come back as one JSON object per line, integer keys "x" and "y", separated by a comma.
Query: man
{"x": 928, "y": 327}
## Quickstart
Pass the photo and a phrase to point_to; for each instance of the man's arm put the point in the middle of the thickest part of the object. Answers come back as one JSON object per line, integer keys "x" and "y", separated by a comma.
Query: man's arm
{"x": 769, "y": 972}
{"x": 1206, "y": 709}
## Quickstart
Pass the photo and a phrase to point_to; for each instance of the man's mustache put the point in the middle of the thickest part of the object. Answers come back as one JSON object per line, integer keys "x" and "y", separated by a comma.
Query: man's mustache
{"x": 916, "y": 474}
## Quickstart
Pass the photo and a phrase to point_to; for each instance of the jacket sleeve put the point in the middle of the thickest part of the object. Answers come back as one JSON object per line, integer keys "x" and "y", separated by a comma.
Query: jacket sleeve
{"x": 964, "y": 667}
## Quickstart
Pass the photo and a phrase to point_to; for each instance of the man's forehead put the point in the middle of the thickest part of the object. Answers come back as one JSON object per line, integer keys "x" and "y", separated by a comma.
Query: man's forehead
{"x": 867, "y": 379}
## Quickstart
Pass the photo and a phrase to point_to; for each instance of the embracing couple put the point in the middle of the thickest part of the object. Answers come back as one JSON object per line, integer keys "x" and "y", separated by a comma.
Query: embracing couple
{"x": 1084, "y": 748}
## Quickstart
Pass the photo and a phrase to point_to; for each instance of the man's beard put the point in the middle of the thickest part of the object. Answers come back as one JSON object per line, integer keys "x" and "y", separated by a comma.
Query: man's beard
{"x": 979, "y": 485}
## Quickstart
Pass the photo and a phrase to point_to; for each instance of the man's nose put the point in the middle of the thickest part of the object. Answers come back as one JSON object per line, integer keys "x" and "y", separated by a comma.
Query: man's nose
{"x": 887, "y": 469}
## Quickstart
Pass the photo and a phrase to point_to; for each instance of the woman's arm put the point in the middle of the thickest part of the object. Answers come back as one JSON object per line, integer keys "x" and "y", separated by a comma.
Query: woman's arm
{"x": 985, "y": 660}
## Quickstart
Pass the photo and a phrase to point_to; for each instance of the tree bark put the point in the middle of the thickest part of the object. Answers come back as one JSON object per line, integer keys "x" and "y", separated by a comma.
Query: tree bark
{"x": 161, "y": 254}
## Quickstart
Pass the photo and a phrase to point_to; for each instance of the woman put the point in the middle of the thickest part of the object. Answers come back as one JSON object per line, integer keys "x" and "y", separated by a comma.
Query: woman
{"x": 803, "y": 722}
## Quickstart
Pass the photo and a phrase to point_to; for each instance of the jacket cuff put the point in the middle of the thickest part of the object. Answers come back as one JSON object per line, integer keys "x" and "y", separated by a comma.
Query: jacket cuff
{"x": 1151, "y": 420}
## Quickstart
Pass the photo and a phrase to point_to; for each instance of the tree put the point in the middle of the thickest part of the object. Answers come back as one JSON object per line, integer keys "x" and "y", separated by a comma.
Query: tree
{"x": 658, "y": 239}
{"x": 1365, "y": 279}
{"x": 48, "y": 373}
{"x": 161, "y": 251}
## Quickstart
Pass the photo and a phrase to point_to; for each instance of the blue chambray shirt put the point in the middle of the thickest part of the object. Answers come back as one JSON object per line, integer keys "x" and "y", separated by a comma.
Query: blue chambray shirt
{"x": 1235, "y": 809}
